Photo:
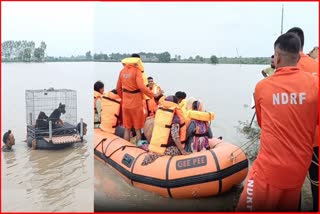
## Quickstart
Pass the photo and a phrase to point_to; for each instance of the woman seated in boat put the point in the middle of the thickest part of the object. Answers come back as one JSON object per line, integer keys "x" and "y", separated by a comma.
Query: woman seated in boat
{"x": 168, "y": 139}
{"x": 198, "y": 131}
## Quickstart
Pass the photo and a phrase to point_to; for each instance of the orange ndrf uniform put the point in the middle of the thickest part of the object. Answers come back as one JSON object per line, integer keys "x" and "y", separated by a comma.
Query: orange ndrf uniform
{"x": 308, "y": 64}
{"x": 287, "y": 112}
{"x": 131, "y": 88}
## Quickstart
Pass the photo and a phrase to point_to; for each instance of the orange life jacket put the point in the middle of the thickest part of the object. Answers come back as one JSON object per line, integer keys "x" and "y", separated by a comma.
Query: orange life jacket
{"x": 151, "y": 104}
{"x": 162, "y": 126}
{"x": 96, "y": 96}
{"x": 110, "y": 109}
{"x": 201, "y": 115}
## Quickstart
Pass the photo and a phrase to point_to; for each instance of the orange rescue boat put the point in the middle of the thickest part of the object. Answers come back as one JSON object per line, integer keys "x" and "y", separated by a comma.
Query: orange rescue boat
{"x": 200, "y": 174}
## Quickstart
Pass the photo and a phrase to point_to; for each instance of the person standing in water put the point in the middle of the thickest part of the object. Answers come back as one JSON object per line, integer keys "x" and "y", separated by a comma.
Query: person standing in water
{"x": 8, "y": 140}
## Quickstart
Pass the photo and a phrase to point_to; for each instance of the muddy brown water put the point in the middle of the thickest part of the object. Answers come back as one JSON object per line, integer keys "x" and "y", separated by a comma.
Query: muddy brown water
{"x": 34, "y": 180}
{"x": 70, "y": 179}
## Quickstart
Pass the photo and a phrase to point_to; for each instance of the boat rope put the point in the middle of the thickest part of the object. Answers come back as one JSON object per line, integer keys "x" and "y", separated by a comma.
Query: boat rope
{"x": 104, "y": 139}
{"x": 244, "y": 147}
{"x": 216, "y": 144}
{"x": 122, "y": 148}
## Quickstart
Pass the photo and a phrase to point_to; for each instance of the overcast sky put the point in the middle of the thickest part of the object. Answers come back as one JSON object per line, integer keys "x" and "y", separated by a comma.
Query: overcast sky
{"x": 187, "y": 29}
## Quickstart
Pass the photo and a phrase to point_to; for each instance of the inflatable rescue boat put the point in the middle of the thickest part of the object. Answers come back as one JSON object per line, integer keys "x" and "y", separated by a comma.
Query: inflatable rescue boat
{"x": 201, "y": 174}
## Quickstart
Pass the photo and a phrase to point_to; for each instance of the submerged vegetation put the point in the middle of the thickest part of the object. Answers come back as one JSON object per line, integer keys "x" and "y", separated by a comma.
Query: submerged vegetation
{"x": 252, "y": 134}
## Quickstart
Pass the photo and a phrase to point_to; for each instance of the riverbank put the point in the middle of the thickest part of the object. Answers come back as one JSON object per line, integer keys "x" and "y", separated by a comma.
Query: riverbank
{"x": 224, "y": 60}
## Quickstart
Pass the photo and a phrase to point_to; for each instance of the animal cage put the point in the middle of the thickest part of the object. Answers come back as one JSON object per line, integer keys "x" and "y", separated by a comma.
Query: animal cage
{"x": 45, "y": 107}
{"x": 47, "y": 100}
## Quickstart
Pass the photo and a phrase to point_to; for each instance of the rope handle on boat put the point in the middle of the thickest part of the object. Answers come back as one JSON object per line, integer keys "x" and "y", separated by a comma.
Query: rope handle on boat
{"x": 244, "y": 147}
{"x": 215, "y": 145}
{"x": 122, "y": 148}
{"x": 104, "y": 139}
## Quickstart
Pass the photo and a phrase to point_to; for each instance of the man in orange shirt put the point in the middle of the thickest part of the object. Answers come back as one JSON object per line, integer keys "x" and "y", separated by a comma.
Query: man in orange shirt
{"x": 287, "y": 112}
{"x": 308, "y": 64}
{"x": 131, "y": 88}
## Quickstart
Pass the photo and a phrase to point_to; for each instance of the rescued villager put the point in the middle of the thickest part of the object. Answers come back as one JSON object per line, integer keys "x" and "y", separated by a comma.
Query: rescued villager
{"x": 8, "y": 140}
{"x": 308, "y": 64}
{"x": 84, "y": 128}
{"x": 151, "y": 103}
{"x": 168, "y": 139}
{"x": 181, "y": 99}
{"x": 97, "y": 94}
{"x": 130, "y": 87}
{"x": 287, "y": 112}
{"x": 198, "y": 131}
{"x": 56, "y": 114}
{"x": 270, "y": 70}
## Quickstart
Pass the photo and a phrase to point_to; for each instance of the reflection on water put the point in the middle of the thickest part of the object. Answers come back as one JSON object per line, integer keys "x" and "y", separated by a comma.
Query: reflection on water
{"x": 40, "y": 180}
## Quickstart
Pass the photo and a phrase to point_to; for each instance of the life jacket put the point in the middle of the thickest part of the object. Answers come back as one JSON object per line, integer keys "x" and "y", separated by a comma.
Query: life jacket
{"x": 96, "y": 96}
{"x": 151, "y": 104}
{"x": 183, "y": 104}
{"x": 133, "y": 61}
{"x": 110, "y": 109}
{"x": 162, "y": 126}
{"x": 201, "y": 115}
{"x": 183, "y": 107}
{"x": 137, "y": 62}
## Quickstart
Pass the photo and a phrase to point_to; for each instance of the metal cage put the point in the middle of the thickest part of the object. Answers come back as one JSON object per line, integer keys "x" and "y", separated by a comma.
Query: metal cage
{"x": 47, "y": 100}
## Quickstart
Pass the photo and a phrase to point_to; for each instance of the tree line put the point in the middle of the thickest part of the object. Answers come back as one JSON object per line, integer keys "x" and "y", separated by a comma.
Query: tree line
{"x": 26, "y": 51}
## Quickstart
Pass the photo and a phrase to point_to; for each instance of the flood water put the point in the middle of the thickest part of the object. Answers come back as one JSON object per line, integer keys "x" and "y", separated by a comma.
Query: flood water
{"x": 225, "y": 89}
{"x": 39, "y": 180}
{"x": 65, "y": 180}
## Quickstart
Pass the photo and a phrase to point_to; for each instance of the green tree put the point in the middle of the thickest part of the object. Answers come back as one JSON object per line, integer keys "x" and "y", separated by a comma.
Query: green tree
{"x": 38, "y": 54}
{"x": 199, "y": 58}
{"x": 214, "y": 59}
{"x": 43, "y": 45}
{"x": 27, "y": 54}
{"x": 88, "y": 55}
{"x": 164, "y": 57}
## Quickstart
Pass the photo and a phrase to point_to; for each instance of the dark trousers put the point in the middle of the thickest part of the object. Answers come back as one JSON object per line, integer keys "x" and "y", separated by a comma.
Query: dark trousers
{"x": 313, "y": 173}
